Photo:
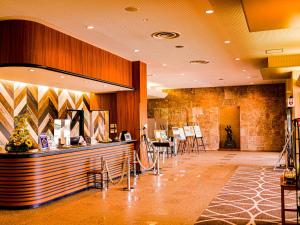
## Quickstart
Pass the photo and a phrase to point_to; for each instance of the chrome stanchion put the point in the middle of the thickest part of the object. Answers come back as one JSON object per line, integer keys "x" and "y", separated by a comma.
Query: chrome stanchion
{"x": 128, "y": 188}
{"x": 157, "y": 163}
{"x": 134, "y": 163}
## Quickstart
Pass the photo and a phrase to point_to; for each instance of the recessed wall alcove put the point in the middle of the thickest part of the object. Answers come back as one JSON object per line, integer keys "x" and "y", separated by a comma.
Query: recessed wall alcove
{"x": 230, "y": 116}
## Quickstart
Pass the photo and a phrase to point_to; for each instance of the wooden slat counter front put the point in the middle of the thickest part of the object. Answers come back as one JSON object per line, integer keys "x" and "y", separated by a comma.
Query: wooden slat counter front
{"x": 28, "y": 180}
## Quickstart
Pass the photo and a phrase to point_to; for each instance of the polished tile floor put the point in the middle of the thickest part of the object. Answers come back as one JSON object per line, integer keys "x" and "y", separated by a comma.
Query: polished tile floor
{"x": 187, "y": 185}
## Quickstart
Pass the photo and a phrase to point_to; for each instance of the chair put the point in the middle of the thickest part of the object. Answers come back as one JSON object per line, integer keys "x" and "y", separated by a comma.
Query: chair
{"x": 101, "y": 171}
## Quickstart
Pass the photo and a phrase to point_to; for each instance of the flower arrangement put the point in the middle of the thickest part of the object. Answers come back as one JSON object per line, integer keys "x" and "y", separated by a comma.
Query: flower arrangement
{"x": 20, "y": 140}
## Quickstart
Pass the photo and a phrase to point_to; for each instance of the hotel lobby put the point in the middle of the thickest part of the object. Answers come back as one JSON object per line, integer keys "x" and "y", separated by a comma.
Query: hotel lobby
{"x": 149, "y": 112}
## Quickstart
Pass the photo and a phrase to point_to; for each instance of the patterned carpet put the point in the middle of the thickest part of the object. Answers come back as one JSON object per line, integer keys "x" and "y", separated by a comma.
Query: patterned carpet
{"x": 251, "y": 197}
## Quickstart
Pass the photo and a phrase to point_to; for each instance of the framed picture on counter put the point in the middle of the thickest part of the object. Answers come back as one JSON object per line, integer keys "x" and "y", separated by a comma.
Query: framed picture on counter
{"x": 127, "y": 137}
{"x": 43, "y": 141}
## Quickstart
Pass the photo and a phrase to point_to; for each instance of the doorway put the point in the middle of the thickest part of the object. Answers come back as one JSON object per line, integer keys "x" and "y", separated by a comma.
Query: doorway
{"x": 230, "y": 115}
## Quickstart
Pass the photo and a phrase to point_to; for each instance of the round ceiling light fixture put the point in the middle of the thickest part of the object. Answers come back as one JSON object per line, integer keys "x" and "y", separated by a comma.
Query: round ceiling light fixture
{"x": 165, "y": 35}
{"x": 131, "y": 9}
{"x": 199, "y": 62}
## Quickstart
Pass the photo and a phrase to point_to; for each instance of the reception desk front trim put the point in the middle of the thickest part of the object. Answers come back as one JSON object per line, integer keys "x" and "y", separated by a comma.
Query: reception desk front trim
{"x": 28, "y": 182}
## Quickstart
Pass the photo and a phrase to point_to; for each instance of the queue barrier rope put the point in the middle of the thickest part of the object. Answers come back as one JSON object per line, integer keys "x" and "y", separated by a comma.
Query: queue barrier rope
{"x": 123, "y": 172}
{"x": 141, "y": 164}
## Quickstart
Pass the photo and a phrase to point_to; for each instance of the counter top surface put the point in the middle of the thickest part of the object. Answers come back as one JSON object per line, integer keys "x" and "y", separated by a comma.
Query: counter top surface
{"x": 56, "y": 151}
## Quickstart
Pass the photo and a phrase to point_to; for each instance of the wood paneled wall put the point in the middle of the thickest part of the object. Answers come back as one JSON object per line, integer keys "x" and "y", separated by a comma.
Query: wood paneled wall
{"x": 29, "y": 182}
{"x": 129, "y": 108}
{"x": 27, "y": 42}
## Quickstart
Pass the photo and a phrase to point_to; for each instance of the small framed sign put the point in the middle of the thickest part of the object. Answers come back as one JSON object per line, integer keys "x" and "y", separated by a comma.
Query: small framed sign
{"x": 127, "y": 137}
{"x": 43, "y": 141}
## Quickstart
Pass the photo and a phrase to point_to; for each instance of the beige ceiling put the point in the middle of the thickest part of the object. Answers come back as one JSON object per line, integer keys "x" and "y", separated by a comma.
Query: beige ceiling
{"x": 202, "y": 35}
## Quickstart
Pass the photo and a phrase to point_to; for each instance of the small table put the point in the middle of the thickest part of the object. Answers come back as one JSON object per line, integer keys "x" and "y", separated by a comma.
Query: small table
{"x": 285, "y": 187}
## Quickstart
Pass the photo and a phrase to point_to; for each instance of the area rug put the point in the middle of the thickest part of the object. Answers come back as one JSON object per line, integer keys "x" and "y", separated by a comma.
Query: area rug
{"x": 251, "y": 197}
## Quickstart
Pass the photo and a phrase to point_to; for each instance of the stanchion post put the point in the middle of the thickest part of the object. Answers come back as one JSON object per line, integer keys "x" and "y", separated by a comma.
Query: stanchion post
{"x": 157, "y": 163}
{"x": 128, "y": 188}
{"x": 134, "y": 163}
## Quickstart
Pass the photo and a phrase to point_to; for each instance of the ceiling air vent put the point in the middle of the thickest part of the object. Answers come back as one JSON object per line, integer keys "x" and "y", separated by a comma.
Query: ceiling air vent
{"x": 199, "y": 62}
{"x": 165, "y": 35}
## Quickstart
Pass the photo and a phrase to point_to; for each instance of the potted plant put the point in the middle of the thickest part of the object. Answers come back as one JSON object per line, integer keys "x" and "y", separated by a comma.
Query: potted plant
{"x": 20, "y": 140}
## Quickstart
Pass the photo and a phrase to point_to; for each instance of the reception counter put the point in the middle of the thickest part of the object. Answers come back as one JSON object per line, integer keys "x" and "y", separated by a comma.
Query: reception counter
{"x": 28, "y": 180}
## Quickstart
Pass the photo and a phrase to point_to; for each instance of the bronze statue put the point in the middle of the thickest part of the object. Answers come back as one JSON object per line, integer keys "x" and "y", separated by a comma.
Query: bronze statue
{"x": 229, "y": 143}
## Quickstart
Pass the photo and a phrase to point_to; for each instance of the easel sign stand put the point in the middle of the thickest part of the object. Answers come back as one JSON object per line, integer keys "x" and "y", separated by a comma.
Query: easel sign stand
{"x": 198, "y": 138}
{"x": 182, "y": 145}
{"x": 190, "y": 135}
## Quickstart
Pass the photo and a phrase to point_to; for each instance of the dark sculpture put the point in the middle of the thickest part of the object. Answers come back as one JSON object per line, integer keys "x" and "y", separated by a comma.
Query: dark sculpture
{"x": 229, "y": 143}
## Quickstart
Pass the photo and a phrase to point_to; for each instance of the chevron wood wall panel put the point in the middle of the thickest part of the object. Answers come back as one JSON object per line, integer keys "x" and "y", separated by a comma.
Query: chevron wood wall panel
{"x": 6, "y": 111}
{"x": 43, "y": 104}
{"x": 100, "y": 124}
{"x": 66, "y": 100}
{"x": 47, "y": 109}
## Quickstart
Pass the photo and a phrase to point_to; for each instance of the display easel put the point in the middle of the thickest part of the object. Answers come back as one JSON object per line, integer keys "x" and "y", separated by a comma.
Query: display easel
{"x": 182, "y": 142}
{"x": 190, "y": 137}
{"x": 198, "y": 138}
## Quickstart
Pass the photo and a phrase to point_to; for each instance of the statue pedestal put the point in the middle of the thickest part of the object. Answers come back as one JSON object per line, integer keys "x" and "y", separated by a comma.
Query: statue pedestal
{"x": 229, "y": 144}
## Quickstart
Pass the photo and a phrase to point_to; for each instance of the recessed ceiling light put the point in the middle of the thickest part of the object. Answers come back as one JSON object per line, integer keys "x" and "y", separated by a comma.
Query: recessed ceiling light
{"x": 31, "y": 70}
{"x": 62, "y": 77}
{"x": 209, "y": 11}
{"x": 179, "y": 46}
{"x": 90, "y": 27}
{"x": 145, "y": 19}
{"x": 237, "y": 59}
{"x": 131, "y": 9}
{"x": 136, "y": 50}
{"x": 227, "y": 42}
{"x": 164, "y": 65}
{"x": 244, "y": 70}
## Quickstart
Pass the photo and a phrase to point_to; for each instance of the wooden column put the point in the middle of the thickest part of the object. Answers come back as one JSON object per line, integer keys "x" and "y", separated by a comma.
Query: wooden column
{"x": 132, "y": 106}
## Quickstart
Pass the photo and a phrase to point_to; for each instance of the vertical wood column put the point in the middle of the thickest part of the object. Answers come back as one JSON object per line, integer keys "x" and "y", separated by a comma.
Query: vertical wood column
{"x": 132, "y": 105}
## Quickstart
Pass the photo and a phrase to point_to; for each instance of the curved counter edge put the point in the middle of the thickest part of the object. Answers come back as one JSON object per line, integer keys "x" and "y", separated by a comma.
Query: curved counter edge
{"x": 61, "y": 151}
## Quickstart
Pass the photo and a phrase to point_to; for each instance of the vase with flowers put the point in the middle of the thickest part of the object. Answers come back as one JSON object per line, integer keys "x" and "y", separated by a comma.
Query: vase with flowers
{"x": 20, "y": 140}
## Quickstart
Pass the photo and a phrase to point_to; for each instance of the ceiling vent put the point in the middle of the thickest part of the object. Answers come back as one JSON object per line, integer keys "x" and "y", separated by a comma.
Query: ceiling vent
{"x": 165, "y": 35}
{"x": 199, "y": 62}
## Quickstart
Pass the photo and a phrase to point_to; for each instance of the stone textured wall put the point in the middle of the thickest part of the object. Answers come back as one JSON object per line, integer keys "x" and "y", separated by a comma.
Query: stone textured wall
{"x": 262, "y": 113}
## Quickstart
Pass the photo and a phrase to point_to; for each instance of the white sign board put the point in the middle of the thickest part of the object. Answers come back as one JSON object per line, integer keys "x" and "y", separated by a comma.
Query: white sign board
{"x": 189, "y": 131}
{"x": 181, "y": 134}
{"x": 198, "y": 132}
